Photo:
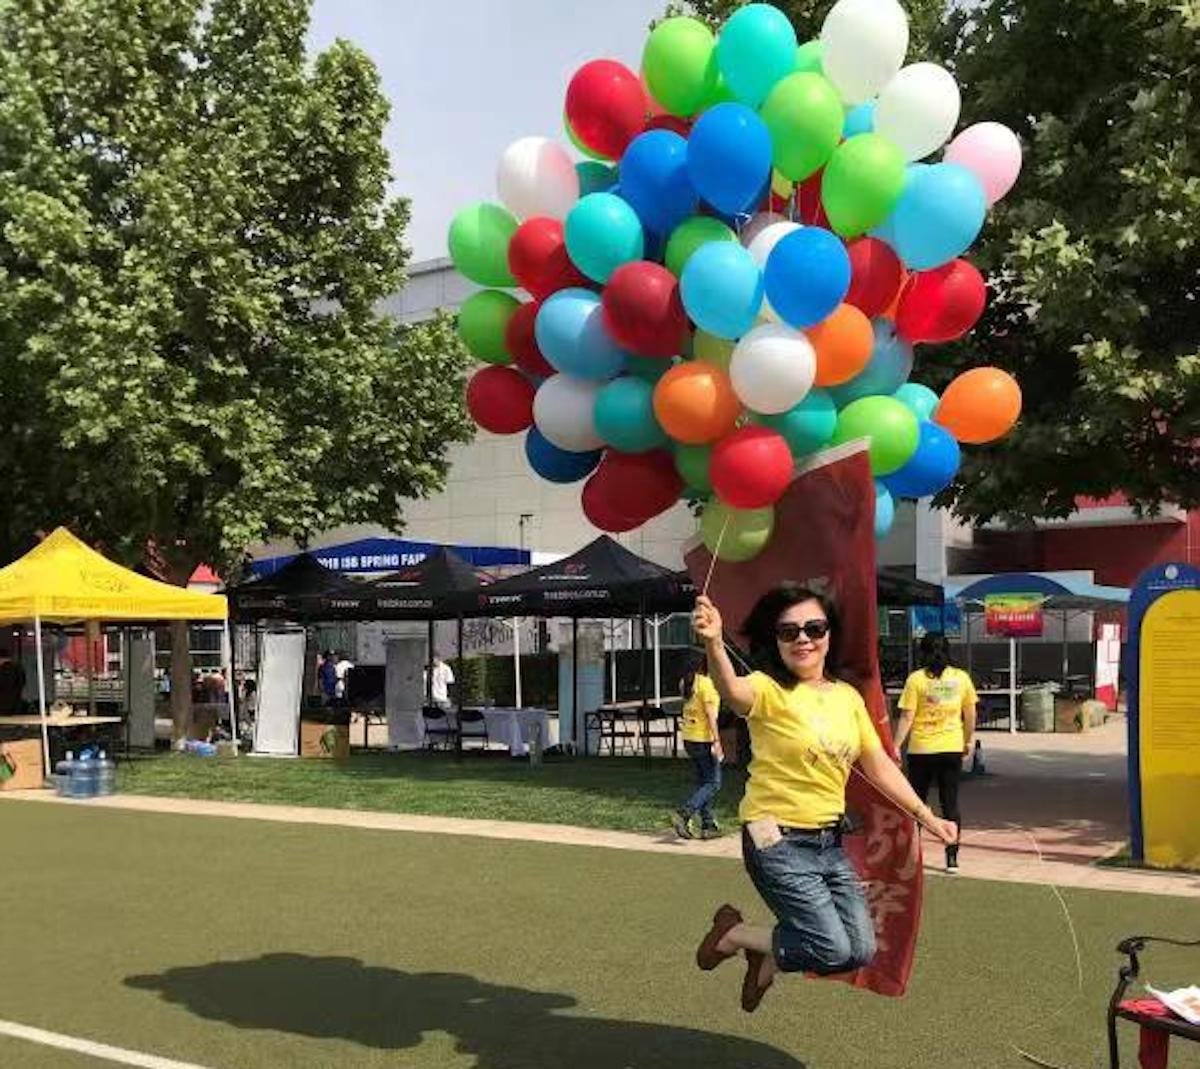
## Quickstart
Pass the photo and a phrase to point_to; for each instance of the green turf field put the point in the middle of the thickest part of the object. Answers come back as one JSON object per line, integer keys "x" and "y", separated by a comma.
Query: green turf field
{"x": 235, "y": 945}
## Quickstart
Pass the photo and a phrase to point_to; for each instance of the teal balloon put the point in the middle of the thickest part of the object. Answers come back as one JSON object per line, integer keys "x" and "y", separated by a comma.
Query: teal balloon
{"x": 808, "y": 426}
{"x": 624, "y": 415}
{"x": 602, "y": 233}
{"x": 722, "y": 289}
{"x": 939, "y": 214}
{"x": 888, "y": 369}
{"x": 757, "y": 47}
{"x": 860, "y": 120}
{"x": 648, "y": 368}
{"x": 918, "y": 397}
{"x": 595, "y": 177}
{"x": 885, "y": 510}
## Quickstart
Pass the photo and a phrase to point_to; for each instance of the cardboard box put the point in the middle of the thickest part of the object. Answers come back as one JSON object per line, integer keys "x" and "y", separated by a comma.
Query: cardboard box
{"x": 24, "y": 758}
{"x": 324, "y": 740}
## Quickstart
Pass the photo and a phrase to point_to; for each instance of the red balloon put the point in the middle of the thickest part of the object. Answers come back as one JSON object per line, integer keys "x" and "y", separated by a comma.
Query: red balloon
{"x": 600, "y": 513}
{"x": 537, "y": 257}
{"x": 875, "y": 276}
{"x": 751, "y": 468}
{"x": 606, "y": 106}
{"x": 643, "y": 310}
{"x": 808, "y": 202}
{"x": 500, "y": 400}
{"x": 640, "y": 484}
{"x": 669, "y": 122}
{"x": 521, "y": 342}
{"x": 941, "y": 305}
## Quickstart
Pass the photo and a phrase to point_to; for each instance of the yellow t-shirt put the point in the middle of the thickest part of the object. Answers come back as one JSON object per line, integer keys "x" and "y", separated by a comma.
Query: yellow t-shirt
{"x": 938, "y": 703}
{"x": 804, "y": 741}
{"x": 704, "y": 699}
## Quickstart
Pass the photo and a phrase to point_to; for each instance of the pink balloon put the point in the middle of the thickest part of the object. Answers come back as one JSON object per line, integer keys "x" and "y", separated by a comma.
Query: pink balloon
{"x": 990, "y": 151}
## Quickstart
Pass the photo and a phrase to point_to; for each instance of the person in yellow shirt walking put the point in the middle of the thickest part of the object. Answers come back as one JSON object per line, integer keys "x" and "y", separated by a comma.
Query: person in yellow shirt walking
{"x": 937, "y": 717}
{"x": 807, "y": 729}
{"x": 701, "y": 704}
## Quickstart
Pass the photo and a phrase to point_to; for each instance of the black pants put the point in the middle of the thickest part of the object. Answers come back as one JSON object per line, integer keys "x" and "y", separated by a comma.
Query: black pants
{"x": 944, "y": 768}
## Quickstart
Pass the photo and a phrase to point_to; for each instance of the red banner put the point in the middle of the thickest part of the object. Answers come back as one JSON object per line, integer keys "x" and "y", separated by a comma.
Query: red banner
{"x": 825, "y": 530}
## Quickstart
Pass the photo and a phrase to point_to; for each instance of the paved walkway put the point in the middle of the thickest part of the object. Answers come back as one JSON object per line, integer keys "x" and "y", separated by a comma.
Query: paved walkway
{"x": 1061, "y": 795}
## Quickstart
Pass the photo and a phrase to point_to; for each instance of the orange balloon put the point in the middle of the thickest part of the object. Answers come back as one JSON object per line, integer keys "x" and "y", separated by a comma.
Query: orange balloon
{"x": 695, "y": 403}
{"x": 980, "y": 405}
{"x": 843, "y": 343}
{"x": 890, "y": 313}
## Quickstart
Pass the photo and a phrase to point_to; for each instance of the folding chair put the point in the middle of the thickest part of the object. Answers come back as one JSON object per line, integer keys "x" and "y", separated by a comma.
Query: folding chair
{"x": 1156, "y": 1022}
{"x": 438, "y": 728}
{"x": 472, "y": 724}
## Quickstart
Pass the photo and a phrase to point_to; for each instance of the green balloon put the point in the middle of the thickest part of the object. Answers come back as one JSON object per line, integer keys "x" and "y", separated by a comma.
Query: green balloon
{"x": 647, "y": 368}
{"x": 691, "y": 461}
{"x": 808, "y": 426}
{"x": 479, "y": 238}
{"x": 712, "y": 350}
{"x": 862, "y": 184}
{"x": 689, "y": 235}
{"x": 721, "y": 94}
{"x": 804, "y": 114}
{"x": 736, "y": 535}
{"x": 889, "y": 425}
{"x": 482, "y": 320}
{"x": 624, "y": 415}
{"x": 680, "y": 64}
{"x": 808, "y": 58}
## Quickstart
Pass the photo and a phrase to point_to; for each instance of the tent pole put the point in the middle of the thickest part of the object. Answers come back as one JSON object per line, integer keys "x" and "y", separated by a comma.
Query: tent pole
{"x": 429, "y": 667}
{"x": 575, "y": 683}
{"x": 517, "y": 661}
{"x": 657, "y": 665}
{"x": 458, "y": 694}
{"x": 1012, "y": 686}
{"x": 642, "y": 721}
{"x": 612, "y": 663}
{"x": 91, "y": 636}
{"x": 41, "y": 673}
{"x": 1066, "y": 652}
{"x": 227, "y": 657}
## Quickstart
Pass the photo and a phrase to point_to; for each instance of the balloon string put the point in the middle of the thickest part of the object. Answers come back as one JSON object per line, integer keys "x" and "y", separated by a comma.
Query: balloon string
{"x": 712, "y": 564}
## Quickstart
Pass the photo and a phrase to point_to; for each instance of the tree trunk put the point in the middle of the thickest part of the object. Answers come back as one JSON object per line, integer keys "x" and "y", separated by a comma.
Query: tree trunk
{"x": 181, "y": 680}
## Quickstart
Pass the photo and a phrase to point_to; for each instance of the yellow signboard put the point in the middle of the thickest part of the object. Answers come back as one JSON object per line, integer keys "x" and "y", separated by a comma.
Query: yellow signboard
{"x": 1169, "y": 730}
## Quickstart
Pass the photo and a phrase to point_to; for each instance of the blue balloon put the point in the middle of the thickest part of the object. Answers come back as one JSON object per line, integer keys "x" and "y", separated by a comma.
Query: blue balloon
{"x": 757, "y": 47}
{"x": 888, "y": 369}
{"x": 571, "y": 335}
{"x": 885, "y": 510}
{"x": 722, "y": 289}
{"x": 654, "y": 180}
{"x": 595, "y": 177}
{"x": 806, "y": 427}
{"x": 931, "y": 468}
{"x": 558, "y": 465}
{"x": 918, "y": 398}
{"x": 624, "y": 414}
{"x": 860, "y": 120}
{"x": 729, "y": 157}
{"x": 602, "y": 233}
{"x": 939, "y": 214}
{"x": 807, "y": 276}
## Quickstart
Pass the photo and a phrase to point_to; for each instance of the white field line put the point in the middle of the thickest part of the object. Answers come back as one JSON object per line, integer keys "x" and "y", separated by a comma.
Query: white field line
{"x": 86, "y": 1046}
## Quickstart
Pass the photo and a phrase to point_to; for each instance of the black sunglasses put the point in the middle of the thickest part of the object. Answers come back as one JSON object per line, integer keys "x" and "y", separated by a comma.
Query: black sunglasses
{"x": 813, "y": 630}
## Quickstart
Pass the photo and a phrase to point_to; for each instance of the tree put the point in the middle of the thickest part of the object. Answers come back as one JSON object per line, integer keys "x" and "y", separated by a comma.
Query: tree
{"x": 195, "y": 235}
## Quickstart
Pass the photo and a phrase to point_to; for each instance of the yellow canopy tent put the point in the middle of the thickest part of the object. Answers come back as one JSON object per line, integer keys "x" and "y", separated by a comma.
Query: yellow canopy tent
{"x": 63, "y": 580}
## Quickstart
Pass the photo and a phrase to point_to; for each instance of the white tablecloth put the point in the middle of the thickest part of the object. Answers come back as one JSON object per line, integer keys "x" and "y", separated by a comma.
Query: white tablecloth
{"x": 512, "y": 728}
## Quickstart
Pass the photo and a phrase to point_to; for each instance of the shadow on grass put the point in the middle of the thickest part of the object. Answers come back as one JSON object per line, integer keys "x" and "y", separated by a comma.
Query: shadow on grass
{"x": 387, "y": 1009}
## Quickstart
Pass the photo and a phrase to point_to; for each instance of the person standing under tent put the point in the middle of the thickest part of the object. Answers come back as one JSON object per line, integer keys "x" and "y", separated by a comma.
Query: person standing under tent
{"x": 439, "y": 685}
{"x": 701, "y": 704}
{"x": 327, "y": 676}
{"x": 342, "y": 670}
{"x": 937, "y": 717}
{"x": 807, "y": 730}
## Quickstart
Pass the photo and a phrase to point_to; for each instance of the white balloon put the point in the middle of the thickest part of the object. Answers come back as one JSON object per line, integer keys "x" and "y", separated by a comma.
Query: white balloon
{"x": 563, "y": 411}
{"x": 773, "y": 368}
{"x": 918, "y": 110}
{"x": 760, "y": 248}
{"x": 758, "y": 224}
{"x": 536, "y": 177}
{"x": 863, "y": 44}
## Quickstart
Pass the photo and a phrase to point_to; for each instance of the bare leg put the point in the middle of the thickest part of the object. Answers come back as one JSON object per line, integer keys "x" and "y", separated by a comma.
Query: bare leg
{"x": 746, "y": 937}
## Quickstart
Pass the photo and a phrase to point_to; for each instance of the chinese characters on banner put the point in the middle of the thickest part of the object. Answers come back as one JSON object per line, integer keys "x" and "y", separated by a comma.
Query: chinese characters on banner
{"x": 1014, "y": 615}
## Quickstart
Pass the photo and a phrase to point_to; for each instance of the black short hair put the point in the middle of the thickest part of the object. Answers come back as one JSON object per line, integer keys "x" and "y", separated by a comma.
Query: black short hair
{"x": 759, "y": 628}
{"x": 935, "y": 649}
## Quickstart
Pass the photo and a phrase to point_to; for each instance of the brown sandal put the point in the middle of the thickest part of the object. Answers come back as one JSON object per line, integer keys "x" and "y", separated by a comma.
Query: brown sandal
{"x": 752, "y": 989}
{"x": 708, "y": 957}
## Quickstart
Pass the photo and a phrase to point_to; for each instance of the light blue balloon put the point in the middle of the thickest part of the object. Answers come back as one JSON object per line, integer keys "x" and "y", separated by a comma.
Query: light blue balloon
{"x": 808, "y": 426}
{"x": 860, "y": 120}
{"x": 624, "y": 415}
{"x": 722, "y": 289}
{"x": 918, "y": 398}
{"x": 888, "y": 369}
{"x": 654, "y": 180}
{"x": 603, "y": 232}
{"x": 885, "y": 510}
{"x": 807, "y": 276}
{"x": 557, "y": 465}
{"x": 571, "y": 335}
{"x": 931, "y": 468}
{"x": 729, "y": 157}
{"x": 595, "y": 177}
{"x": 757, "y": 47}
{"x": 938, "y": 216}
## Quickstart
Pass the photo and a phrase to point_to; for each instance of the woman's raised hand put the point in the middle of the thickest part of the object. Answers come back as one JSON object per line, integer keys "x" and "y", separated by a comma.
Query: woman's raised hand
{"x": 706, "y": 620}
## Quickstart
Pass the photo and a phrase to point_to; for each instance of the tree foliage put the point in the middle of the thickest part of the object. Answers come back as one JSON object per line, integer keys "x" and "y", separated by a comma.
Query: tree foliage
{"x": 195, "y": 235}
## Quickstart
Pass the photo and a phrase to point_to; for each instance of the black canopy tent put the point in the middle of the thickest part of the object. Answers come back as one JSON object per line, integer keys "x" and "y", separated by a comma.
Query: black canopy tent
{"x": 303, "y": 590}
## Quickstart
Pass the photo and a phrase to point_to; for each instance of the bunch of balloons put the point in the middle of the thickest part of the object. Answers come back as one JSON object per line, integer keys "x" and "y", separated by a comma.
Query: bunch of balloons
{"x": 738, "y": 273}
